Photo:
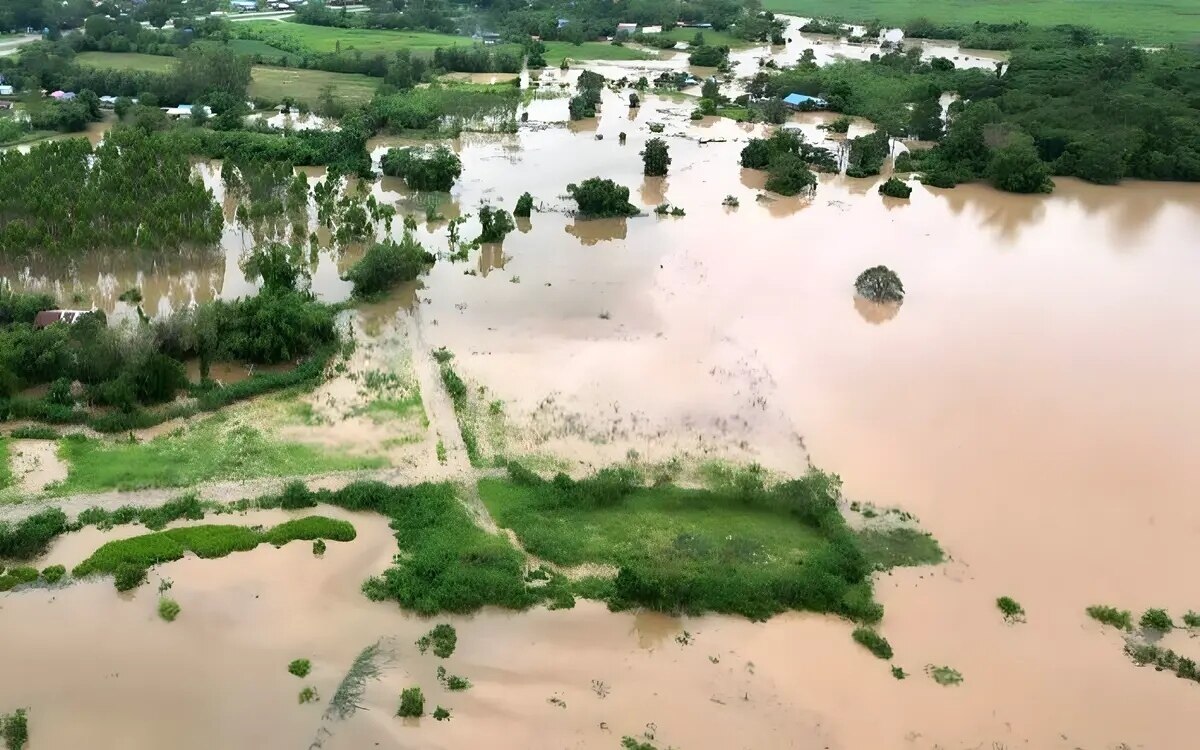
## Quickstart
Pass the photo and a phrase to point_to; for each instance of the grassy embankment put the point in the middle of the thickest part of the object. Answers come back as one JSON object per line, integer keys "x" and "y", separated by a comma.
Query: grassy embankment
{"x": 1147, "y": 21}
{"x": 214, "y": 448}
{"x": 266, "y": 82}
{"x": 744, "y": 550}
{"x": 129, "y": 559}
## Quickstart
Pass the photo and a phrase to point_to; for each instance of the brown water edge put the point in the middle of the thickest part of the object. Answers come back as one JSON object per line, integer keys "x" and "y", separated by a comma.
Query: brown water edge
{"x": 216, "y": 677}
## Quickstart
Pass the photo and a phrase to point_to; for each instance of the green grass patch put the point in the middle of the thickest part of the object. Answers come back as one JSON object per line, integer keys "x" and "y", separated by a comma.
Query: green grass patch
{"x": 275, "y": 84}
{"x": 873, "y": 642}
{"x": 6, "y": 476}
{"x": 31, "y": 536}
{"x": 17, "y": 576}
{"x": 127, "y": 61}
{"x": 34, "y": 432}
{"x": 125, "y": 556}
{"x": 944, "y": 675}
{"x": 53, "y": 574}
{"x": 557, "y": 51}
{"x": 168, "y": 609}
{"x": 290, "y": 35}
{"x": 1192, "y": 619}
{"x": 266, "y": 82}
{"x": 206, "y": 451}
{"x": 1149, "y": 21}
{"x": 1118, "y": 618}
{"x": 899, "y": 547}
{"x": 254, "y": 48}
{"x": 711, "y": 37}
{"x": 385, "y": 409}
{"x": 755, "y": 552}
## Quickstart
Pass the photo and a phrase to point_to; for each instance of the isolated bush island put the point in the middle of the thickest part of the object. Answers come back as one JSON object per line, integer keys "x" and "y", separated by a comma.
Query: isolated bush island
{"x": 601, "y": 197}
{"x": 388, "y": 263}
{"x": 880, "y": 284}
{"x": 423, "y": 168}
{"x": 895, "y": 188}
{"x": 656, "y": 159}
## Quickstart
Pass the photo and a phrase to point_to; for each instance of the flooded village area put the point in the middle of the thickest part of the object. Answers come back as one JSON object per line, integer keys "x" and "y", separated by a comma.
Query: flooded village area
{"x": 1016, "y": 428}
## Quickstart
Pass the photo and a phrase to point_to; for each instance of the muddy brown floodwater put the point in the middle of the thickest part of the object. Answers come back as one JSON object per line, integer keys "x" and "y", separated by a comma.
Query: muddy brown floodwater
{"x": 1032, "y": 402}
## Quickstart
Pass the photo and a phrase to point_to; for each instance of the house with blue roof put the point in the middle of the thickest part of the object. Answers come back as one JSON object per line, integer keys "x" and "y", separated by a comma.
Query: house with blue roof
{"x": 803, "y": 101}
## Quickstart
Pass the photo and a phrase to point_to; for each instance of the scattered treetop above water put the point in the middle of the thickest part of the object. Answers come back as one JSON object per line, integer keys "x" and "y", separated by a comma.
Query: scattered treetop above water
{"x": 423, "y": 169}
{"x": 601, "y": 197}
{"x": 880, "y": 284}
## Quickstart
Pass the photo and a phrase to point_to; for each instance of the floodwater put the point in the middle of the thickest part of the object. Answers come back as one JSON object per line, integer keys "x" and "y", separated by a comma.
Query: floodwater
{"x": 1031, "y": 401}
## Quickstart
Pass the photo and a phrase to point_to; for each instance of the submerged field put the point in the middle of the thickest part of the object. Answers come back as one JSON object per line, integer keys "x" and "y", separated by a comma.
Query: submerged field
{"x": 1147, "y": 21}
{"x": 720, "y": 353}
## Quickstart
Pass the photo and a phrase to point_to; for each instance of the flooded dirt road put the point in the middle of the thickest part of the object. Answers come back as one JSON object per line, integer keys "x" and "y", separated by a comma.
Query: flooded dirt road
{"x": 1031, "y": 402}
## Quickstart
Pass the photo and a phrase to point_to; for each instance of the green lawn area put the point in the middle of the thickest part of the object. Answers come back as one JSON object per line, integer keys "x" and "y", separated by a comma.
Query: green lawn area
{"x": 266, "y": 82}
{"x": 330, "y": 39}
{"x": 556, "y": 51}
{"x": 655, "y": 523}
{"x": 304, "y": 85}
{"x": 126, "y": 61}
{"x": 210, "y": 450}
{"x": 713, "y": 38}
{"x": 1148, "y": 21}
{"x": 252, "y": 47}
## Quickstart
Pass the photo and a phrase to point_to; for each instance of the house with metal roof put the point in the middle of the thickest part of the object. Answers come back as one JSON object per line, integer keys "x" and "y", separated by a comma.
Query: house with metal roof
{"x": 804, "y": 101}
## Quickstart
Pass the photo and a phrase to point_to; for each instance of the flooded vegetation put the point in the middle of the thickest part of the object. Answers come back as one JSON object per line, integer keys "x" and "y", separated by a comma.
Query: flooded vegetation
{"x": 480, "y": 410}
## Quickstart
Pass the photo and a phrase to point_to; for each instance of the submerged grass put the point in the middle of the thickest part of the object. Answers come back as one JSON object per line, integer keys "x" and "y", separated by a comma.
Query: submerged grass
{"x": 212, "y": 449}
{"x": 123, "y": 556}
{"x": 899, "y": 547}
{"x": 746, "y": 550}
{"x": 368, "y": 665}
{"x": 1118, "y": 618}
{"x": 873, "y": 642}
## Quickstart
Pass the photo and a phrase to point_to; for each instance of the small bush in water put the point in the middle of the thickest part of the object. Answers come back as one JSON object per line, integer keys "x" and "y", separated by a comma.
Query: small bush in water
{"x": 874, "y": 642}
{"x": 15, "y": 729}
{"x": 1156, "y": 619}
{"x": 309, "y": 695}
{"x": 1013, "y": 612}
{"x": 412, "y": 703}
{"x": 1192, "y": 619}
{"x": 441, "y": 714}
{"x": 319, "y": 547}
{"x": 899, "y": 673}
{"x": 944, "y": 675}
{"x": 300, "y": 667}
{"x": 1118, "y": 618}
{"x": 168, "y": 609}
{"x": 895, "y": 188}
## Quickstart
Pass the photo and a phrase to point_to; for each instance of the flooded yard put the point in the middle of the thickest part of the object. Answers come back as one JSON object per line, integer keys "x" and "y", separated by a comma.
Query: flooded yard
{"x": 1030, "y": 402}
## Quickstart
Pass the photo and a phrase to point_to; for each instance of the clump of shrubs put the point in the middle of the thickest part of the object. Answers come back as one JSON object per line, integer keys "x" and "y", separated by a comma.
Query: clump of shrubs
{"x": 300, "y": 667}
{"x": 54, "y": 574}
{"x": 895, "y": 188}
{"x": 1118, "y": 618}
{"x": 412, "y": 703}
{"x": 1156, "y": 619}
{"x": 386, "y": 264}
{"x": 442, "y": 638}
{"x": 873, "y": 641}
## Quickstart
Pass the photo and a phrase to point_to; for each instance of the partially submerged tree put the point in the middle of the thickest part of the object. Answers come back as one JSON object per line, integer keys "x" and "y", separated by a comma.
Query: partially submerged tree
{"x": 600, "y": 197}
{"x": 655, "y": 159}
{"x": 895, "y": 188}
{"x": 524, "y": 206}
{"x": 880, "y": 284}
{"x": 422, "y": 168}
{"x": 789, "y": 175}
{"x": 494, "y": 224}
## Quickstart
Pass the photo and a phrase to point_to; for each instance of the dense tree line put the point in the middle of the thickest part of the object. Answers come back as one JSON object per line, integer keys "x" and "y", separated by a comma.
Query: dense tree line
{"x": 64, "y": 198}
{"x": 443, "y": 107}
{"x": 1064, "y": 105}
{"x": 201, "y": 73}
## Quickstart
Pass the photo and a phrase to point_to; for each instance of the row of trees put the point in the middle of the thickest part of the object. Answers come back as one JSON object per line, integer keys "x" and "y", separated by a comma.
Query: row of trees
{"x": 64, "y": 198}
